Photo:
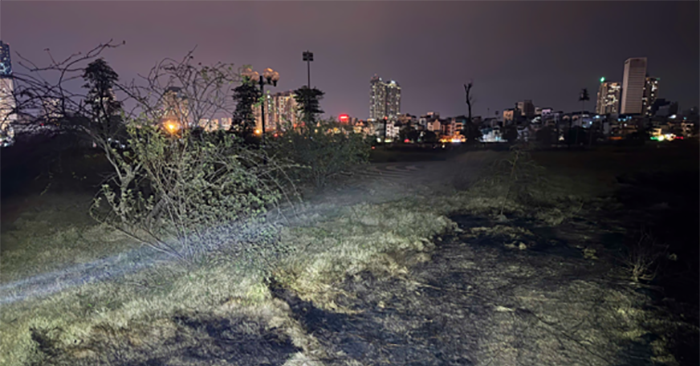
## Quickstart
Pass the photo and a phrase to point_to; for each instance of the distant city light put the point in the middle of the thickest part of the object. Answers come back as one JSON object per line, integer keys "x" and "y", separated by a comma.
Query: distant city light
{"x": 172, "y": 127}
{"x": 343, "y": 117}
{"x": 602, "y": 80}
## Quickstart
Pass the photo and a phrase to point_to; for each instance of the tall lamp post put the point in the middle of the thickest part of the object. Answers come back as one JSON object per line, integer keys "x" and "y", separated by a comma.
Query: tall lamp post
{"x": 269, "y": 77}
{"x": 308, "y": 57}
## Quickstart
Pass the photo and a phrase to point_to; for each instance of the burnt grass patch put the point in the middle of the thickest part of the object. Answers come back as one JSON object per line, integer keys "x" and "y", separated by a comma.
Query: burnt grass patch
{"x": 187, "y": 339}
{"x": 664, "y": 206}
{"x": 494, "y": 293}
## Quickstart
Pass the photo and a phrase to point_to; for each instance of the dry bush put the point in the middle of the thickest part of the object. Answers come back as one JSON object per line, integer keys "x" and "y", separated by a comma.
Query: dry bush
{"x": 642, "y": 258}
{"x": 322, "y": 151}
{"x": 188, "y": 195}
{"x": 518, "y": 184}
{"x": 180, "y": 190}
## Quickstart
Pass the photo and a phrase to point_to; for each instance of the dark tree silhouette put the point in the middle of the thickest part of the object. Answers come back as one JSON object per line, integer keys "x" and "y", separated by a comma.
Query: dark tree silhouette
{"x": 101, "y": 104}
{"x": 511, "y": 133}
{"x": 246, "y": 96}
{"x": 309, "y": 103}
{"x": 545, "y": 136}
{"x": 472, "y": 132}
{"x": 576, "y": 136}
{"x": 406, "y": 132}
{"x": 429, "y": 137}
{"x": 413, "y": 135}
{"x": 469, "y": 99}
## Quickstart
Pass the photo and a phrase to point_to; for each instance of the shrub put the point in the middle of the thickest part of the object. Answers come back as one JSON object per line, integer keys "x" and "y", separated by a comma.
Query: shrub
{"x": 322, "y": 151}
{"x": 187, "y": 194}
{"x": 641, "y": 259}
{"x": 515, "y": 178}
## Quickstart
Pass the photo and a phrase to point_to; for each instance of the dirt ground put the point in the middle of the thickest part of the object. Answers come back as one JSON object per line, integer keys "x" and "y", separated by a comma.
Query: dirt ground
{"x": 507, "y": 291}
{"x": 493, "y": 294}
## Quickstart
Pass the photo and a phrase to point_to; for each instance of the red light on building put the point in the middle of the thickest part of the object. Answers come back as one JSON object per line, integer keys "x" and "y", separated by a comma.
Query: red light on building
{"x": 343, "y": 118}
{"x": 405, "y": 141}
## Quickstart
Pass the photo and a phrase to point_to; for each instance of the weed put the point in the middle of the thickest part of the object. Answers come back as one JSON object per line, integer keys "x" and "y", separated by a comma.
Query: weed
{"x": 641, "y": 259}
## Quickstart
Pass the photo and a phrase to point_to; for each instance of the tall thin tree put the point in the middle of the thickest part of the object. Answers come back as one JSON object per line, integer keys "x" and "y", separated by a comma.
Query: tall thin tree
{"x": 470, "y": 131}
{"x": 246, "y": 96}
{"x": 100, "y": 101}
{"x": 309, "y": 100}
{"x": 469, "y": 98}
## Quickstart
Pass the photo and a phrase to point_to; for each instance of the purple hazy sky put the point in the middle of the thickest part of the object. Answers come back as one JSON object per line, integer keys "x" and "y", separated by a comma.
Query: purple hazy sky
{"x": 544, "y": 51}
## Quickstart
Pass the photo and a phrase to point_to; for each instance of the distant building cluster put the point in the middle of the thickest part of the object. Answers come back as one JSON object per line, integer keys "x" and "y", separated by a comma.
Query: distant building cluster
{"x": 622, "y": 108}
{"x": 635, "y": 95}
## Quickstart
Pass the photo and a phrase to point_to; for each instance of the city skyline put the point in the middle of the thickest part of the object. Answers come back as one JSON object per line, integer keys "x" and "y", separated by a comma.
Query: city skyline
{"x": 464, "y": 41}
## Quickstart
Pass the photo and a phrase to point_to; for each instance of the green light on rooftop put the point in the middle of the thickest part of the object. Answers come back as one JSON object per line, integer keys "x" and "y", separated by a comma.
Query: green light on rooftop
{"x": 602, "y": 79}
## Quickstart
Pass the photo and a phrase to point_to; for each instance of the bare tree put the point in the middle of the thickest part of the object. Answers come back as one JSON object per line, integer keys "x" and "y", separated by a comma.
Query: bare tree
{"x": 179, "y": 193}
{"x": 471, "y": 131}
{"x": 57, "y": 86}
{"x": 469, "y": 98}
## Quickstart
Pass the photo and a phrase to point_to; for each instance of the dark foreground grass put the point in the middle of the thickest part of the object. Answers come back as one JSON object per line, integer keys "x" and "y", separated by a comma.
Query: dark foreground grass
{"x": 402, "y": 282}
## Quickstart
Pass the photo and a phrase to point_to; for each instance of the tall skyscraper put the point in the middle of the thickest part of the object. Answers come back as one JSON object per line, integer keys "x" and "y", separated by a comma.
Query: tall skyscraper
{"x": 651, "y": 92}
{"x": 633, "y": 80}
{"x": 377, "y": 98}
{"x": 5, "y": 60}
{"x": 393, "y": 100}
{"x": 608, "y": 101}
{"x": 384, "y": 99}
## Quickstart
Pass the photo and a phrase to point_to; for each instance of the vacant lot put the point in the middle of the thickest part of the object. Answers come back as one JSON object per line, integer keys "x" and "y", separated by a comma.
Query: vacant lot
{"x": 390, "y": 268}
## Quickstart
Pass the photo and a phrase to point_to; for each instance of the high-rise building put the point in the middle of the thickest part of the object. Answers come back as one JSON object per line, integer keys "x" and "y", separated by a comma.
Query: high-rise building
{"x": 7, "y": 99}
{"x": 7, "y": 102}
{"x": 280, "y": 110}
{"x": 393, "y": 100}
{"x": 377, "y": 98}
{"x": 651, "y": 92}
{"x": 526, "y": 108}
{"x": 608, "y": 101}
{"x": 5, "y": 60}
{"x": 384, "y": 99}
{"x": 285, "y": 108}
{"x": 633, "y": 80}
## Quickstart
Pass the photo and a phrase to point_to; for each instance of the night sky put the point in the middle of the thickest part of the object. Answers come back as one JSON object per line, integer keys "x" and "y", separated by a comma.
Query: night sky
{"x": 544, "y": 51}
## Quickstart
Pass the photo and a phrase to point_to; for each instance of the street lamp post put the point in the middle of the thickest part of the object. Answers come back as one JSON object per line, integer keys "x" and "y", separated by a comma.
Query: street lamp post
{"x": 308, "y": 57}
{"x": 269, "y": 77}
